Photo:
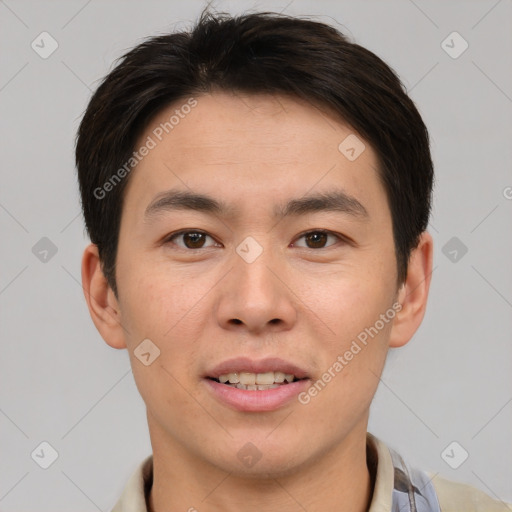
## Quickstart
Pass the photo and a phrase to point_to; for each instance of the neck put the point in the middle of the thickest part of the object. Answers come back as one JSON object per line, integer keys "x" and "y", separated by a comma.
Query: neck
{"x": 338, "y": 480}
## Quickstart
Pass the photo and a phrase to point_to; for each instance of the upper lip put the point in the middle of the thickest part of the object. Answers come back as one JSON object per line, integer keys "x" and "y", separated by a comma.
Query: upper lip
{"x": 244, "y": 364}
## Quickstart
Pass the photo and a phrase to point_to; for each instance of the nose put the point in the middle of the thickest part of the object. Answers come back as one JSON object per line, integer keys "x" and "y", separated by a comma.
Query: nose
{"x": 257, "y": 296}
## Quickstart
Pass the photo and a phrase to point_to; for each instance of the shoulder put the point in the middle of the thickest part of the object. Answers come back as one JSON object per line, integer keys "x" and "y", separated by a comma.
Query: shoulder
{"x": 457, "y": 497}
{"x": 401, "y": 487}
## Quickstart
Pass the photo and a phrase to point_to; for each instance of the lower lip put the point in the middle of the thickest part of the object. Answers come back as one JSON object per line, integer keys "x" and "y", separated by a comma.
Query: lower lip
{"x": 257, "y": 401}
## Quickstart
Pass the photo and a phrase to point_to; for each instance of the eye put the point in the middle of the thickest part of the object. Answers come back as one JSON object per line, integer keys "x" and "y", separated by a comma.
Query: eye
{"x": 191, "y": 239}
{"x": 194, "y": 239}
{"x": 317, "y": 238}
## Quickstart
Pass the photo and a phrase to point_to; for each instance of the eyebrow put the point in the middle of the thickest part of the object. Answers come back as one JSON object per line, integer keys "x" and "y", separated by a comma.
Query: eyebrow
{"x": 336, "y": 200}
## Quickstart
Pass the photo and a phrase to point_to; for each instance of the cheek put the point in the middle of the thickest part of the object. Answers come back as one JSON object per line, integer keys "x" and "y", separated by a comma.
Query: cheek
{"x": 168, "y": 311}
{"x": 352, "y": 359}
{"x": 158, "y": 300}
{"x": 349, "y": 300}
{"x": 354, "y": 355}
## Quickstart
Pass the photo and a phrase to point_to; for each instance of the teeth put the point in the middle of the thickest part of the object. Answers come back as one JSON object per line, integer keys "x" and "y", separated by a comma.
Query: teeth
{"x": 259, "y": 387}
{"x": 265, "y": 378}
{"x": 256, "y": 379}
{"x": 247, "y": 378}
{"x": 278, "y": 377}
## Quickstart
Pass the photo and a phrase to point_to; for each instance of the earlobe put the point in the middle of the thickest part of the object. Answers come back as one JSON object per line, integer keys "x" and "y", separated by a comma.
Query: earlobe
{"x": 101, "y": 301}
{"x": 413, "y": 293}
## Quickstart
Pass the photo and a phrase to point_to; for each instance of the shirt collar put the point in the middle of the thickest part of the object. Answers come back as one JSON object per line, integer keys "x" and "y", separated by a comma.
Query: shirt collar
{"x": 136, "y": 492}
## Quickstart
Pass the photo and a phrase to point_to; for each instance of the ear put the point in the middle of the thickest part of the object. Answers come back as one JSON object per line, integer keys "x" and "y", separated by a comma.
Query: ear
{"x": 101, "y": 301}
{"x": 413, "y": 293}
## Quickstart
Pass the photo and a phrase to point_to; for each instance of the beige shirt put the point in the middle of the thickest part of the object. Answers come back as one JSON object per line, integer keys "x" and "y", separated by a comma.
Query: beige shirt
{"x": 452, "y": 496}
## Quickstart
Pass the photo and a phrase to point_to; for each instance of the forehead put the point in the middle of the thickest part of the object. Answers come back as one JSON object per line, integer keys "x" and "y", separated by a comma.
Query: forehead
{"x": 238, "y": 146}
{"x": 224, "y": 123}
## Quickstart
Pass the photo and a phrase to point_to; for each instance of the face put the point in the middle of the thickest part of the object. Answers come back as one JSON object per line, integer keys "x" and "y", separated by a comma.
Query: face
{"x": 288, "y": 284}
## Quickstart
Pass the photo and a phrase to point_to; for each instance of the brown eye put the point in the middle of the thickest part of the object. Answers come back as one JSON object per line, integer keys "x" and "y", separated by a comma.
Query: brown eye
{"x": 191, "y": 239}
{"x": 317, "y": 239}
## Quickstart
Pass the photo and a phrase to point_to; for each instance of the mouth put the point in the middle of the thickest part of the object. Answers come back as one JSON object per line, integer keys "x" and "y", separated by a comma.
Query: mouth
{"x": 256, "y": 381}
{"x": 249, "y": 385}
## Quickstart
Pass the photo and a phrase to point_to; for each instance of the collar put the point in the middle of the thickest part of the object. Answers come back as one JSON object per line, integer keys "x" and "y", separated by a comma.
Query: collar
{"x": 397, "y": 487}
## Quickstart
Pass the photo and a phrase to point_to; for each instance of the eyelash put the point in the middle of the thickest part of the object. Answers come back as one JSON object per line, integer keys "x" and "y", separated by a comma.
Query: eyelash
{"x": 170, "y": 238}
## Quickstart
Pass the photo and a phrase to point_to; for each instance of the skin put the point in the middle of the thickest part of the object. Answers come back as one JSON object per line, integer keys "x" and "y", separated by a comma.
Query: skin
{"x": 299, "y": 300}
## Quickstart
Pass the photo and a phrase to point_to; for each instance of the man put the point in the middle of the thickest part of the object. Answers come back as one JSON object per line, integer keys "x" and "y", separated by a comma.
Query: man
{"x": 257, "y": 193}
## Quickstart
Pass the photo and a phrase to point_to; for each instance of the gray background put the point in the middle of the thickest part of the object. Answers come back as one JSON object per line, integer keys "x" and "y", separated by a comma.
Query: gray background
{"x": 62, "y": 384}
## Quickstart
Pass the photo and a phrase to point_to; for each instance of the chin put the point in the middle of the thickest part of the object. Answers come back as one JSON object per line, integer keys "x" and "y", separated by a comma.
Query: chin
{"x": 261, "y": 460}
{"x": 262, "y": 470}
